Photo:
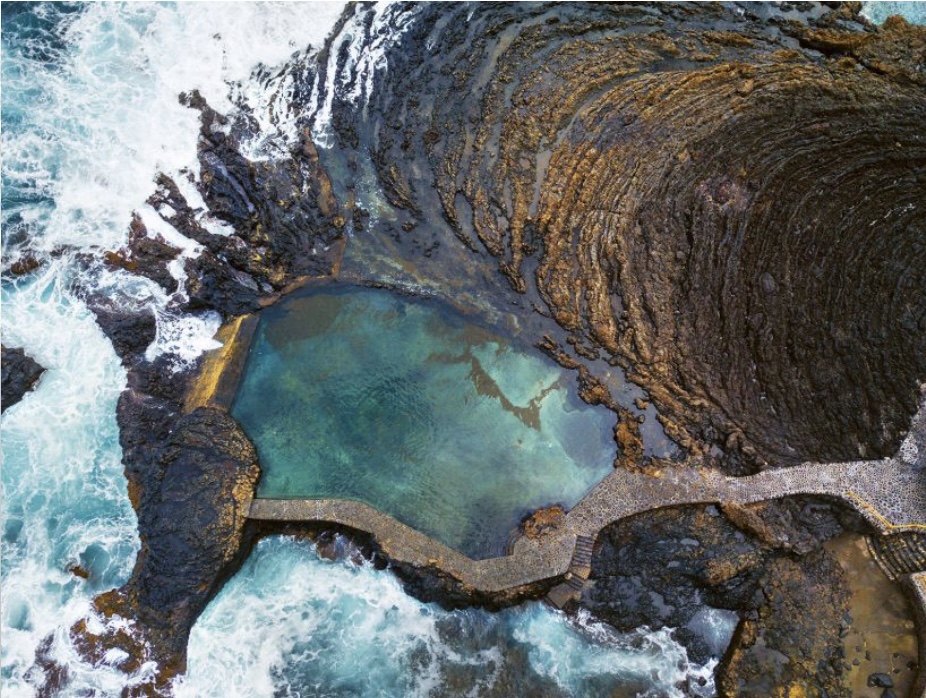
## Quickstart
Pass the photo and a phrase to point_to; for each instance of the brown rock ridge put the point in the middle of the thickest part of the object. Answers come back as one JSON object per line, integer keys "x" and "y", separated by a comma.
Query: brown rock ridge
{"x": 728, "y": 205}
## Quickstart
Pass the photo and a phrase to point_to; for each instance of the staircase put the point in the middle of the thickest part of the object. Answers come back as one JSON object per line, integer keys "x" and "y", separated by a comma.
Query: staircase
{"x": 579, "y": 570}
{"x": 899, "y": 554}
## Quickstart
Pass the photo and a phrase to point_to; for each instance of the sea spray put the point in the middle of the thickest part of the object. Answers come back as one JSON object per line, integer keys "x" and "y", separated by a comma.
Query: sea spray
{"x": 65, "y": 503}
{"x": 90, "y": 117}
{"x": 877, "y": 12}
{"x": 291, "y": 623}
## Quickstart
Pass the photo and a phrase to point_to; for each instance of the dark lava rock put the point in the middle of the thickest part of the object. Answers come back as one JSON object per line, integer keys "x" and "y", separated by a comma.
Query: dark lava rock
{"x": 24, "y": 265}
{"x": 131, "y": 332}
{"x": 660, "y": 568}
{"x": 193, "y": 533}
{"x": 791, "y": 646}
{"x": 284, "y": 214}
{"x": 145, "y": 256}
{"x": 880, "y": 680}
{"x": 19, "y": 374}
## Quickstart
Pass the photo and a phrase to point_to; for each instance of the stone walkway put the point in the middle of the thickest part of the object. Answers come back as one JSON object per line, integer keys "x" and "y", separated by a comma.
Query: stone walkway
{"x": 889, "y": 493}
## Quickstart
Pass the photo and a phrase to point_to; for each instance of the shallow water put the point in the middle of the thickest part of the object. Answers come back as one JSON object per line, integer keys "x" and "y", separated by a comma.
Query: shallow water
{"x": 401, "y": 403}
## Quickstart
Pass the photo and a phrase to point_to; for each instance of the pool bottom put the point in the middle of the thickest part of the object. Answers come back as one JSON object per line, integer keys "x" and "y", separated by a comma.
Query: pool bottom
{"x": 362, "y": 394}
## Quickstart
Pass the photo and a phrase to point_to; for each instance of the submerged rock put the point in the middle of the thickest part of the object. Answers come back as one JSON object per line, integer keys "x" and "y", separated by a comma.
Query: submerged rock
{"x": 20, "y": 374}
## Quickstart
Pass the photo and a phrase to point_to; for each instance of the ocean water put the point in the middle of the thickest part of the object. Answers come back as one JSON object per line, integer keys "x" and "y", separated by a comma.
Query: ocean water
{"x": 877, "y": 12}
{"x": 403, "y": 403}
{"x": 89, "y": 117}
{"x": 294, "y": 624}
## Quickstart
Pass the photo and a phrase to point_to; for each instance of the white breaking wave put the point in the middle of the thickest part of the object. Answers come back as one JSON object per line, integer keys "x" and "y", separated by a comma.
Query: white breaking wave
{"x": 108, "y": 119}
{"x": 97, "y": 118}
{"x": 366, "y": 37}
{"x": 64, "y": 495}
{"x": 292, "y": 624}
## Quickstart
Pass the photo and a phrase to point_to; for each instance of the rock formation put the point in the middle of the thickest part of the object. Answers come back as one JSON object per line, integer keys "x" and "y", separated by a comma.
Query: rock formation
{"x": 20, "y": 374}
{"x": 726, "y": 202}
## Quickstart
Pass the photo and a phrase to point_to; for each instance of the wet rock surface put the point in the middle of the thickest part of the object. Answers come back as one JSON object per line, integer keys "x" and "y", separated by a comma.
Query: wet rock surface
{"x": 20, "y": 374}
{"x": 283, "y": 213}
{"x": 724, "y": 202}
{"x": 683, "y": 187}
{"x": 192, "y": 509}
{"x": 765, "y": 562}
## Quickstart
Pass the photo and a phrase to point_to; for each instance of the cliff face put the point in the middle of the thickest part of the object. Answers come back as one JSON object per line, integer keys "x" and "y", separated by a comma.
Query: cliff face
{"x": 727, "y": 205}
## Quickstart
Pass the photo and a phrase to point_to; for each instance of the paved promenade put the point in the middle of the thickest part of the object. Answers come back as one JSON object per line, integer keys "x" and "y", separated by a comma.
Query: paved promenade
{"x": 889, "y": 493}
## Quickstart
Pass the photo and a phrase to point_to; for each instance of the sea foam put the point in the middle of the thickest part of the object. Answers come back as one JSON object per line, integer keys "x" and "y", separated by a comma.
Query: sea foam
{"x": 90, "y": 117}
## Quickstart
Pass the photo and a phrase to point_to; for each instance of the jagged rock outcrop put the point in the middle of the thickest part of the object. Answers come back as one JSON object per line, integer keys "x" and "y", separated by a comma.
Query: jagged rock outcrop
{"x": 20, "y": 374}
{"x": 766, "y": 562}
{"x": 193, "y": 534}
{"x": 192, "y": 476}
{"x": 722, "y": 202}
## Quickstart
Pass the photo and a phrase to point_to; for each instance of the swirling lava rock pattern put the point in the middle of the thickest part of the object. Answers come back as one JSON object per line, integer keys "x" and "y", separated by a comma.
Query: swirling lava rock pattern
{"x": 730, "y": 206}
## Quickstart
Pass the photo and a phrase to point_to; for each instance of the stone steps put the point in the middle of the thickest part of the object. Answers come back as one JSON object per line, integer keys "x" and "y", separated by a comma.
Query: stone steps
{"x": 899, "y": 554}
{"x": 580, "y": 568}
{"x": 581, "y": 565}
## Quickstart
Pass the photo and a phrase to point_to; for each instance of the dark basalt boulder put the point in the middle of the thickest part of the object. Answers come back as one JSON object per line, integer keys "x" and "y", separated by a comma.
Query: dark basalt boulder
{"x": 765, "y": 562}
{"x": 20, "y": 374}
{"x": 131, "y": 332}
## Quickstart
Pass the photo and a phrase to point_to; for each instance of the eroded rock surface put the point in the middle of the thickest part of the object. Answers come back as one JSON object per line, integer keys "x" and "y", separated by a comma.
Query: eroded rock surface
{"x": 20, "y": 374}
{"x": 194, "y": 535}
{"x": 725, "y": 204}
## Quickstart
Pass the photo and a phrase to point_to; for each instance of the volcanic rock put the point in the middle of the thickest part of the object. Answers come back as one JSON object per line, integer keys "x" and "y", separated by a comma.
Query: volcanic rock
{"x": 20, "y": 374}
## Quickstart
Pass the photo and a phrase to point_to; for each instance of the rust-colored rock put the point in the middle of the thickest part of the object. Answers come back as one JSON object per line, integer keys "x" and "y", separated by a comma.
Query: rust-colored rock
{"x": 542, "y": 521}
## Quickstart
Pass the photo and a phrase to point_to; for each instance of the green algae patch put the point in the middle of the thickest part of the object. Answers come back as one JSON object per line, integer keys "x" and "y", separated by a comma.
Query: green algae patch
{"x": 404, "y": 404}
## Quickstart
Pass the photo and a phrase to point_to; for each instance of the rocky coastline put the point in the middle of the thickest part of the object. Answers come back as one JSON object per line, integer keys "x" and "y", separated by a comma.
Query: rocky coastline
{"x": 684, "y": 191}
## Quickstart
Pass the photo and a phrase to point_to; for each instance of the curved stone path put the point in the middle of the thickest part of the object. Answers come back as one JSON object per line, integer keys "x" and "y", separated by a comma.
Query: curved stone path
{"x": 889, "y": 493}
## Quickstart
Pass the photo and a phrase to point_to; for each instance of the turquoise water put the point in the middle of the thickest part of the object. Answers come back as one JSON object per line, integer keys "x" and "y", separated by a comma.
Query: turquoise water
{"x": 877, "y": 12}
{"x": 292, "y": 624}
{"x": 363, "y": 394}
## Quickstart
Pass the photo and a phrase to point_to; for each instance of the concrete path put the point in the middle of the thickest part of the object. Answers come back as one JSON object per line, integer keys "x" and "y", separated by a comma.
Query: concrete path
{"x": 889, "y": 493}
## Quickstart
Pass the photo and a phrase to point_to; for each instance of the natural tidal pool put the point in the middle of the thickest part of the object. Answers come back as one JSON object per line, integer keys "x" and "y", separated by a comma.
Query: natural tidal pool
{"x": 405, "y": 404}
